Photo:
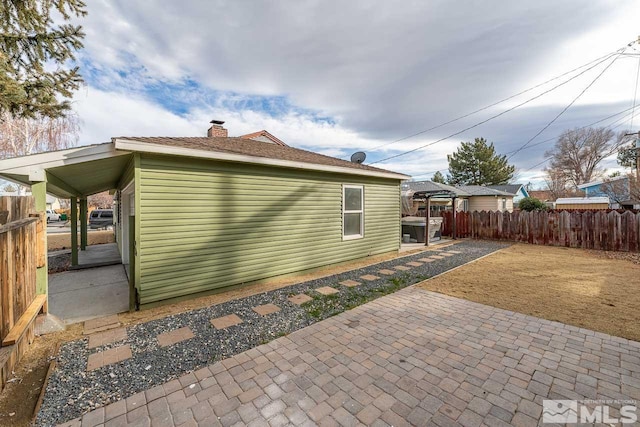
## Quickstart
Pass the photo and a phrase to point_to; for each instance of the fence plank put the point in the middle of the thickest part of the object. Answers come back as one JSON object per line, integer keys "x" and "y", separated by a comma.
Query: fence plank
{"x": 600, "y": 230}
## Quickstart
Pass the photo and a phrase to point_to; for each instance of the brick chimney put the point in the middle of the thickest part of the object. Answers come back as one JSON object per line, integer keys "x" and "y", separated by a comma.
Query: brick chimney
{"x": 216, "y": 129}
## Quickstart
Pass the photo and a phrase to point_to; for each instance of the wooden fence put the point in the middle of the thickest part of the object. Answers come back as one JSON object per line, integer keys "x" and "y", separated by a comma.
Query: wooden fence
{"x": 22, "y": 251}
{"x": 610, "y": 231}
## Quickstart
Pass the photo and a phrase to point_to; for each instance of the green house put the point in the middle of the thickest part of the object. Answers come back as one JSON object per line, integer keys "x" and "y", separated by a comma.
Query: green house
{"x": 194, "y": 215}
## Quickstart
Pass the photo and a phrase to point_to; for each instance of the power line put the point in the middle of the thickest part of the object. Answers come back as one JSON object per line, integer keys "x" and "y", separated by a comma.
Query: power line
{"x": 609, "y": 126}
{"x": 492, "y": 117}
{"x": 623, "y": 118}
{"x": 635, "y": 94}
{"x": 580, "y": 128}
{"x": 545, "y": 127}
{"x": 604, "y": 57}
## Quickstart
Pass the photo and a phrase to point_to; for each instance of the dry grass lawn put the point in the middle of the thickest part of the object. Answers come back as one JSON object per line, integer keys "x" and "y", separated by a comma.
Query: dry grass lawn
{"x": 63, "y": 241}
{"x": 588, "y": 289}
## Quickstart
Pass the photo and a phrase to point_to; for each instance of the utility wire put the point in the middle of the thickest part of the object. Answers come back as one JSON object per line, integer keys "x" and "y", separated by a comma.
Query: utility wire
{"x": 635, "y": 94}
{"x": 545, "y": 127}
{"x": 604, "y": 57}
{"x": 494, "y": 116}
{"x": 609, "y": 126}
{"x": 623, "y": 118}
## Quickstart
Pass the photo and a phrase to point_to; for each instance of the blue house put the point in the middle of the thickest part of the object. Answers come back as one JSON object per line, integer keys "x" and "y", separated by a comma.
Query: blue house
{"x": 518, "y": 190}
{"x": 617, "y": 190}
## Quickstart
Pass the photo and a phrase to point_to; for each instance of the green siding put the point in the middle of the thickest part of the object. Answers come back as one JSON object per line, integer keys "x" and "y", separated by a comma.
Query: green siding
{"x": 126, "y": 178}
{"x": 205, "y": 225}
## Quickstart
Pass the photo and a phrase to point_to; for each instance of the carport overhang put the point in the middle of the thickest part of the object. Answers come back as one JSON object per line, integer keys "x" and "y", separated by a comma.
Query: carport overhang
{"x": 71, "y": 173}
{"x": 74, "y": 173}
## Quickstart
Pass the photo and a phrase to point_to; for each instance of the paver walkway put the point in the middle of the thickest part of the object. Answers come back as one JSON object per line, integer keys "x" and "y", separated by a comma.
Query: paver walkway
{"x": 410, "y": 358}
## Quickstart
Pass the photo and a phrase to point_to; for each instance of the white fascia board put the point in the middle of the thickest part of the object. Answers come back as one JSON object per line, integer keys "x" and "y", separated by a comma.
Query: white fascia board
{"x": 32, "y": 164}
{"x": 145, "y": 147}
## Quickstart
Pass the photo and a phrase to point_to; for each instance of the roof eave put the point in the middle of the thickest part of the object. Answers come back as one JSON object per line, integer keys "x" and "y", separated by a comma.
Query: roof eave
{"x": 146, "y": 147}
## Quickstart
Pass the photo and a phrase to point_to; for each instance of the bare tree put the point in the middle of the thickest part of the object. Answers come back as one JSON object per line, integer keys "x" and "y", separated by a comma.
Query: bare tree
{"x": 101, "y": 200}
{"x": 556, "y": 183}
{"x": 578, "y": 153}
{"x": 20, "y": 137}
{"x": 621, "y": 189}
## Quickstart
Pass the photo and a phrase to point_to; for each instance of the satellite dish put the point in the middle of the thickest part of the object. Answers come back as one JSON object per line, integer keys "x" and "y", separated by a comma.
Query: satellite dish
{"x": 358, "y": 157}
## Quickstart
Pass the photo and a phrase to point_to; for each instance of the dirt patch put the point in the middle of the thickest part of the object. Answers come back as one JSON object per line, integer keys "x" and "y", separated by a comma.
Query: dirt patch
{"x": 20, "y": 397}
{"x": 63, "y": 241}
{"x": 59, "y": 263}
{"x": 588, "y": 289}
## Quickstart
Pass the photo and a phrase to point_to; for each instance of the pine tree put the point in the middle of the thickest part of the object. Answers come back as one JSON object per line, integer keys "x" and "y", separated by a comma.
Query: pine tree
{"x": 439, "y": 178}
{"x": 476, "y": 163}
{"x": 34, "y": 56}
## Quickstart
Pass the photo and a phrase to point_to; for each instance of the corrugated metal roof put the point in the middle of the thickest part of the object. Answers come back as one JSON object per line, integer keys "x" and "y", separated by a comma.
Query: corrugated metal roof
{"x": 581, "y": 200}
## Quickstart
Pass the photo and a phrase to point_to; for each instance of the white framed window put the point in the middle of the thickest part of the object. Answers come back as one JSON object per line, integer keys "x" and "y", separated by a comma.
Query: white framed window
{"x": 352, "y": 212}
{"x": 504, "y": 204}
{"x": 465, "y": 205}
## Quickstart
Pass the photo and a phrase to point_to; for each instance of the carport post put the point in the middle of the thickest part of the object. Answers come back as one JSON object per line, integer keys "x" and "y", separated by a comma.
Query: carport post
{"x": 453, "y": 225}
{"x": 83, "y": 223}
{"x": 427, "y": 218}
{"x": 74, "y": 231}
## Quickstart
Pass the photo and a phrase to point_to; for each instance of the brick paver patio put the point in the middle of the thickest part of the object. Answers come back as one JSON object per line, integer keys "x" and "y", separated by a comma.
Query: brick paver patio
{"x": 410, "y": 358}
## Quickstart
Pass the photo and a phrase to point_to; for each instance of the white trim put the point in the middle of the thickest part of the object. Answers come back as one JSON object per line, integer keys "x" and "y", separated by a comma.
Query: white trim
{"x": 129, "y": 145}
{"x": 32, "y": 165}
{"x": 360, "y": 211}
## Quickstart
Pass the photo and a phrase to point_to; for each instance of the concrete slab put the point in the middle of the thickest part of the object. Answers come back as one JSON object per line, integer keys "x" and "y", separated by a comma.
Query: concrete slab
{"x": 76, "y": 296}
{"x": 98, "y": 256}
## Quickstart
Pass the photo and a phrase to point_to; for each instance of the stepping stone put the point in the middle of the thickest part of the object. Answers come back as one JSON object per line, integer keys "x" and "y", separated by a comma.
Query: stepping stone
{"x": 369, "y": 277}
{"x": 327, "y": 290}
{"x": 414, "y": 264}
{"x": 265, "y": 309}
{"x": 226, "y": 321}
{"x": 349, "y": 283}
{"x": 454, "y": 252}
{"x": 387, "y": 272}
{"x": 436, "y": 257}
{"x": 300, "y": 299}
{"x": 107, "y": 337}
{"x": 402, "y": 268}
{"x": 173, "y": 337}
{"x": 101, "y": 324}
{"x": 108, "y": 357}
{"x": 427, "y": 259}
{"x": 446, "y": 254}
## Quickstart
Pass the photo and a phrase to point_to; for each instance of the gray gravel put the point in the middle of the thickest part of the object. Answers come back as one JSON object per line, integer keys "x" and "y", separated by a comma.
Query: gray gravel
{"x": 72, "y": 390}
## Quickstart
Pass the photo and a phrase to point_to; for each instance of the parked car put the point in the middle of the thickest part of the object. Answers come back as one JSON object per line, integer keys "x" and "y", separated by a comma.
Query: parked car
{"x": 101, "y": 218}
{"x": 52, "y": 215}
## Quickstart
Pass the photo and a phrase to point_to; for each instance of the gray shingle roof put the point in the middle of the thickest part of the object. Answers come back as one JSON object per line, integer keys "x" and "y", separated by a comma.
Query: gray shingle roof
{"x": 508, "y": 188}
{"x": 251, "y": 148}
{"x": 481, "y": 190}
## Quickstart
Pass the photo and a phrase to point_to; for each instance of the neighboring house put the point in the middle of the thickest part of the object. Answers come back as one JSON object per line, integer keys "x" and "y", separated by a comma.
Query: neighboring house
{"x": 542, "y": 195}
{"x": 618, "y": 191}
{"x": 487, "y": 199}
{"x": 469, "y": 198}
{"x": 212, "y": 212}
{"x": 518, "y": 190}
{"x": 582, "y": 203}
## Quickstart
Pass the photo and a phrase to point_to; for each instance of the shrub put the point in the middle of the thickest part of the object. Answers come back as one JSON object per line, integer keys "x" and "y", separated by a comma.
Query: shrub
{"x": 532, "y": 204}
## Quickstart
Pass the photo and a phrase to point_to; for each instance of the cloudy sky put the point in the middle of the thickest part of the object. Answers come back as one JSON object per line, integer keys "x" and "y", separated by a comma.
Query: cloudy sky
{"x": 338, "y": 77}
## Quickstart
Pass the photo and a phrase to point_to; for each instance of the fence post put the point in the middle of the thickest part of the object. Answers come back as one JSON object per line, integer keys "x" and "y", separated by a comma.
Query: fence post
{"x": 39, "y": 192}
